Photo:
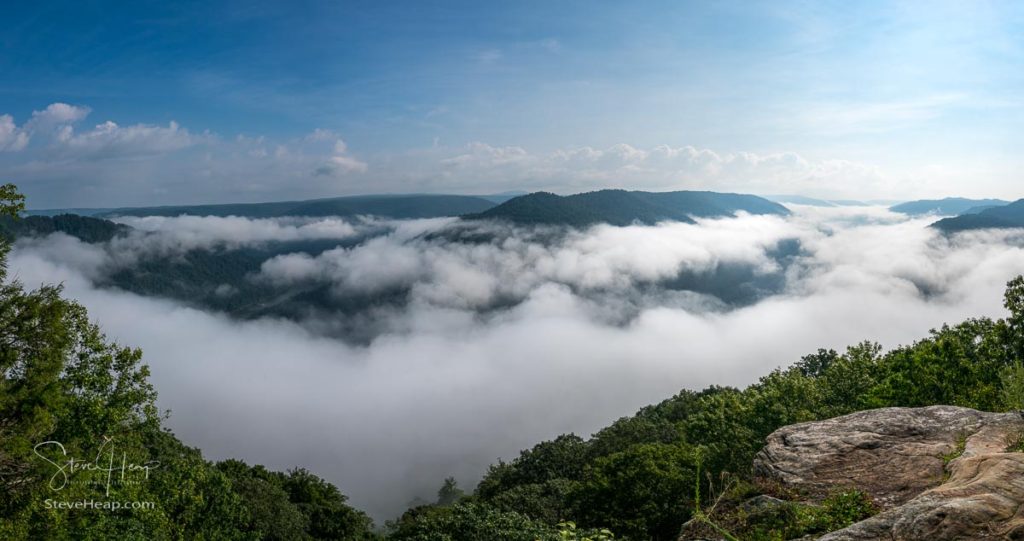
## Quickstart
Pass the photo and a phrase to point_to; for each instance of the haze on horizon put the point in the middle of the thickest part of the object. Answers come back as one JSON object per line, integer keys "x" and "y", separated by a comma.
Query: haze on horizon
{"x": 154, "y": 103}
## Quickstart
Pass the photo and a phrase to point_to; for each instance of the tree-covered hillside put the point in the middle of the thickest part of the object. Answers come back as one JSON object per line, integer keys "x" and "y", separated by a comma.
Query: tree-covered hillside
{"x": 389, "y": 206}
{"x": 1000, "y": 217}
{"x": 950, "y": 206}
{"x": 82, "y": 227}
{"x": 621, "y": 207}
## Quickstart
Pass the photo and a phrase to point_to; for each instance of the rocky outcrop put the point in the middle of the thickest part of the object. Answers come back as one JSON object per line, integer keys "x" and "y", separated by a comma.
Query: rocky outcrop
{"x": 938, "y": 473}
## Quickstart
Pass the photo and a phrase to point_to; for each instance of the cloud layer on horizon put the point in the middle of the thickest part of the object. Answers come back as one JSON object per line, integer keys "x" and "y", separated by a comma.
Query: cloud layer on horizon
{"x": 449, "y": 389}
{"x": 59, "y": 164}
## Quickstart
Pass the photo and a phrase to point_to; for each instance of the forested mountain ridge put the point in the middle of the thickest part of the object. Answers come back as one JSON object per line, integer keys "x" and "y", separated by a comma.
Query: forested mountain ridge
{"x": 386, "y": 206}
{"x": 621, "y": 207}
{"x": 615, "y": 207}
{"x": 948, "y": 206}
{"x": 1001, "y": 217}
{"x": 801, "y": 200}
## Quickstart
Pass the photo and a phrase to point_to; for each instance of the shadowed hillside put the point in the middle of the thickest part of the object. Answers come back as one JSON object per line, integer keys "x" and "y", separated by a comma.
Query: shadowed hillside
{"x": 621, "y": 207}
{"x": 948, "y": 206}
{"x": 1002, "y": 217}
{"x": 389, "y": 206}
{"x": 82, "y": 227}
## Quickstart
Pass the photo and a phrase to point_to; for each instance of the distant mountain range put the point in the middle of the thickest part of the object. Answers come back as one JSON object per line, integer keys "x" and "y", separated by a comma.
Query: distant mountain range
{"x": 615, "y": 207}
{"x": 387, "y": 206}
{"x": 997, "y": 217}
{"x": 801, "y": 200}
{"x": 76, "y": 211}
{"x": 967, "y": 214}
{"x": 950, "y": 206}
{"x": 621, "y": 207}
{"x": 815, "y": 202}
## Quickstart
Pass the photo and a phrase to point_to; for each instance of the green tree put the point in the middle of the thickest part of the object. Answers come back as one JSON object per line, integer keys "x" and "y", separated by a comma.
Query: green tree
{"x": 467, "y": 521}
{"x": 449, "y": 492}
{"x": 324, "y": 506}
{"x": 61, "y": 380}
{"x": 550, "y": 501}
{"x": 846, "y": 384}
{"x": 1012, "y": 379}
{"x": 641, "y": 493}
{"x": 957, "y": 365}
{"x": 1012, "y": 328}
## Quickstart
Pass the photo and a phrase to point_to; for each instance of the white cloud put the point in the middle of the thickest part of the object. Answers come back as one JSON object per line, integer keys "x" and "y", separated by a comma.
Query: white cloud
{"x": 183, "y": 233}
{"x": 53, "y": 128}
{"x": 457, "y": 389}
{"x": 158, "y": 236}
{"x": 481, "y": 154}
{"x": 130, "y": 165}
{"x": 457, "y": 275}
{"x": 661, "y": 168}
{"x": 12, "y": 139}
{"x": 57, "y": 114}
{"x": 346, "y": 164}
{"x": 140, "y": 164}
{"x": 338, "y": 160}
{"x": 110, "y": 141}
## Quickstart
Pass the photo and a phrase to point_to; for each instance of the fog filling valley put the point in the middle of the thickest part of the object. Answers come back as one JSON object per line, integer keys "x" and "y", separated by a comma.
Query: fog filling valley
{"x": 495, "y": 337}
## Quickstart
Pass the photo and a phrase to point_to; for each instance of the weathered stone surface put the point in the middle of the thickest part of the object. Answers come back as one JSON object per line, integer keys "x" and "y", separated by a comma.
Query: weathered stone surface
{"x": 899, "y": 456}
{"x": 761, "y": 503}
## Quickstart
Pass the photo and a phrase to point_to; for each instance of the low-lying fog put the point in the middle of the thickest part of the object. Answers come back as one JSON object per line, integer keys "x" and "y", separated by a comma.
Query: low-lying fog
{"x": 504, "y": 343}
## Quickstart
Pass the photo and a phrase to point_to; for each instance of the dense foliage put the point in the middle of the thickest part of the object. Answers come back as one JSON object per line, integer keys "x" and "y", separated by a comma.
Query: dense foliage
{"x": 66, "y": 393}
{"x": 82, "y": 227}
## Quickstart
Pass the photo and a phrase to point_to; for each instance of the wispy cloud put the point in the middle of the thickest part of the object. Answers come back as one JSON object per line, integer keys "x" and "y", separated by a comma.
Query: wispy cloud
{"x": 488, "y": 57}
{"x": 58, "y": 164}
{"x": 854, "y": 117}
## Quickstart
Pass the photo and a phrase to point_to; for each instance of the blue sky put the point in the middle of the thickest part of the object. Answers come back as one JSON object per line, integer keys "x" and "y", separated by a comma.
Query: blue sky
{"x": 222, "y": 101}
